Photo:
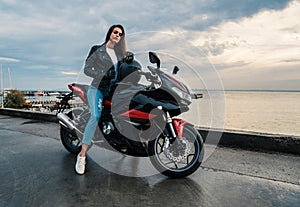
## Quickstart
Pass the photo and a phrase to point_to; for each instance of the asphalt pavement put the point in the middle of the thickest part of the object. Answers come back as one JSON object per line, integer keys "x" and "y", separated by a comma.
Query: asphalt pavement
{"x": 36, "y": 170}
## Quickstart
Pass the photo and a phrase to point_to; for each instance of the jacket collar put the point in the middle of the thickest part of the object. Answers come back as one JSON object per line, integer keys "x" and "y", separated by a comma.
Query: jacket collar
{"x": 102, "y": 47}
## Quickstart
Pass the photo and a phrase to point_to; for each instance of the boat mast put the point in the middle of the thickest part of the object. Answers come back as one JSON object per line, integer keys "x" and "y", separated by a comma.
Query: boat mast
{"x": 2, "y": 89}
{"x": 9, "y": 76}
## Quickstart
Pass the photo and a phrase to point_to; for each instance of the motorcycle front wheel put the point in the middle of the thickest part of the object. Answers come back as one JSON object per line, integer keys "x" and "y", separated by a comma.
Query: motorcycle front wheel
{"x": 70, "y": 139}
{"x": 179, "y": 158}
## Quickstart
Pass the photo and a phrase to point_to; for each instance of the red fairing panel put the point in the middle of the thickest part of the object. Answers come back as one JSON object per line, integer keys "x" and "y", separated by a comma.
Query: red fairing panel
{"x": 107, "y": 103}
{"x": 138, "y": 114}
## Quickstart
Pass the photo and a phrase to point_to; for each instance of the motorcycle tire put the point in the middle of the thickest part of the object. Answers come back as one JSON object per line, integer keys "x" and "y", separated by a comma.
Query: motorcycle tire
{"x": 164, "y": 162}
{"x": 69, "y": 139}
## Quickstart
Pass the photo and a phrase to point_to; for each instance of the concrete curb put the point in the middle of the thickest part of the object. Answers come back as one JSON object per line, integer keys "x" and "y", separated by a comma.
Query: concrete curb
{"x": 254, "y": 141}
{"x": 29, "y": 114}
{"x": 227, "y": 138}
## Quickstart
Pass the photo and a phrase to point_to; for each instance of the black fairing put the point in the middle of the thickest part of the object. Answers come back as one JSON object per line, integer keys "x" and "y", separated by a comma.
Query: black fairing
{"x": 168, "y": 82}
{"x": 147, "y": 100}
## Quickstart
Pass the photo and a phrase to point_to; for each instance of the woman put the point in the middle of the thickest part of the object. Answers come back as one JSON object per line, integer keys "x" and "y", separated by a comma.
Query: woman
{"x": 102, "y": 65}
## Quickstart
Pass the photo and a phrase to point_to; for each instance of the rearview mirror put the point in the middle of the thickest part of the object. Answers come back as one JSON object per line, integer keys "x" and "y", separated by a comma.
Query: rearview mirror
{"x": 175, "y": 70}
{"x": 154, "y": 59}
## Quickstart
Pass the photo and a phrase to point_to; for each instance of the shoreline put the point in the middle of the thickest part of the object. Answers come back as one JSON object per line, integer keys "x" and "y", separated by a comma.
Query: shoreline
{"x": 246, "y": 91}
{"x": 253, "y": 141}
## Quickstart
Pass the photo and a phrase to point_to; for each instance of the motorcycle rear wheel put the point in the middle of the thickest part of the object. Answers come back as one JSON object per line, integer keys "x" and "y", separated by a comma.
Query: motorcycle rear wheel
{"x": 164, "y": 161}
{"x": 70, "y": 139}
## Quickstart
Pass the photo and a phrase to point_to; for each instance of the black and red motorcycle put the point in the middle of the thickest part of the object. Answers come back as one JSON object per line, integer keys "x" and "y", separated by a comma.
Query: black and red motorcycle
{"x": 140, "y": 119}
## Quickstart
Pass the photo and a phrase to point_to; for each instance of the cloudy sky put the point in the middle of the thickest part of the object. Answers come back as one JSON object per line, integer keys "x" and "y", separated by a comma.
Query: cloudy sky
{"x": 252, "y": 44}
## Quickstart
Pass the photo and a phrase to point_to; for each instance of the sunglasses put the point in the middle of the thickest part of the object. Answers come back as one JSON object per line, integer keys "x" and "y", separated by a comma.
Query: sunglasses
{"x": 116, "y": 32}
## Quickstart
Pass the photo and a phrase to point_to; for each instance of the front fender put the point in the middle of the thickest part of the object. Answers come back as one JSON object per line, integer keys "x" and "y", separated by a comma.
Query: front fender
{"x": 179, "y": 125}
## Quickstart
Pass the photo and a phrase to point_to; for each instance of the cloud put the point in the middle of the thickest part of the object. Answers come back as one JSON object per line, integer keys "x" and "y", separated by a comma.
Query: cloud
{"x": 258, "y": 37}
{"x": 53, "y": 36}
{"x": 292, "y": 60}
{"x": 69, "y": 73}
{"x": 263, "y": 44}
{"x": 5, "y": 59}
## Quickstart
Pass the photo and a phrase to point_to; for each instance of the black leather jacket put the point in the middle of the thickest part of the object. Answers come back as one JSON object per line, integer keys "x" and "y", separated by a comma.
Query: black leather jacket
{"x": 97, "y": 65}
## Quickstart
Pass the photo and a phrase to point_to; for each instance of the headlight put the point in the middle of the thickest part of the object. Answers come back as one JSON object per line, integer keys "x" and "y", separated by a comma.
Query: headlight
{"x": 185, "y": 97}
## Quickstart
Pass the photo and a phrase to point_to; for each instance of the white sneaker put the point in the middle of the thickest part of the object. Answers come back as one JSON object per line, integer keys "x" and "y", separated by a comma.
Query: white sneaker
{"x": 80, "y": 165}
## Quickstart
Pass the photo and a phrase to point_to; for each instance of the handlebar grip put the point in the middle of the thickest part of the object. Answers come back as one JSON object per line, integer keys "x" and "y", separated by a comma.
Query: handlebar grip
{"x": 197, "y": 95}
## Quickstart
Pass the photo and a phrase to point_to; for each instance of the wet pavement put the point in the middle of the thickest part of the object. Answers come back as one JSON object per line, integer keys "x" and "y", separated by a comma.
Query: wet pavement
{"x": 36, "y": 170}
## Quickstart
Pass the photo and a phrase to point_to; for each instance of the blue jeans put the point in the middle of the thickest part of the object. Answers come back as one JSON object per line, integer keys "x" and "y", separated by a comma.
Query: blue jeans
{"x": 95, "y": 99}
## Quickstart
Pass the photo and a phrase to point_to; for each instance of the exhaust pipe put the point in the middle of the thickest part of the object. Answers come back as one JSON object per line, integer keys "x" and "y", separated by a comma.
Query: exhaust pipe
{"x": 67, "y": 123}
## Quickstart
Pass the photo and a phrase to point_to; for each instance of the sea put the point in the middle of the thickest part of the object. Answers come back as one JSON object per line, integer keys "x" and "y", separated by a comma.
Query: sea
{"x": 271, "y": 112}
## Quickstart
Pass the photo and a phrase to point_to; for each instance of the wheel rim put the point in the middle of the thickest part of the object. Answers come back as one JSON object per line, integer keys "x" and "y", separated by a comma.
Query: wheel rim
{"x": 175, "y": 159}
{"x": 72, "y": 140}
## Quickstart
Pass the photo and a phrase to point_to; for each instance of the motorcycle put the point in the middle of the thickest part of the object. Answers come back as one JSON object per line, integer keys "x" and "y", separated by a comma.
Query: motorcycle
{"x": 140, "y": 119}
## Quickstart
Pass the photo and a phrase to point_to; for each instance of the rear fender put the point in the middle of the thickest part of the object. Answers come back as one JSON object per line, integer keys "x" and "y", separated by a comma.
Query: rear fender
{"x": 78, "y": 91}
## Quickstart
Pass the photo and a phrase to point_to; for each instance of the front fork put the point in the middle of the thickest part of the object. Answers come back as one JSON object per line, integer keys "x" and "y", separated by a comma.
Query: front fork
{"x": 175, "y": 126}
